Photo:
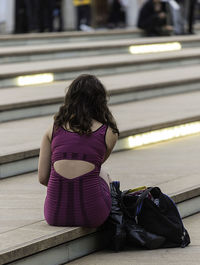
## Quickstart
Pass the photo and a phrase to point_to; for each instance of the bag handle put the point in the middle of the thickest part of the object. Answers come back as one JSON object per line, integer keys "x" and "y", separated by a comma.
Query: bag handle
{"x": 138, "y": 204}
{"x": 143, "y": 195}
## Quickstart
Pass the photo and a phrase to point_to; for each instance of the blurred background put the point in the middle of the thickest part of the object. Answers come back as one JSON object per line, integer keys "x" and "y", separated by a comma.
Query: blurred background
{"x": 30, "y": 16}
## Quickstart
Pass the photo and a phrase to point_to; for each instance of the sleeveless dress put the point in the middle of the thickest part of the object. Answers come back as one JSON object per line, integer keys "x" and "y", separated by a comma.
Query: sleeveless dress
{"x": 84, "y": 200}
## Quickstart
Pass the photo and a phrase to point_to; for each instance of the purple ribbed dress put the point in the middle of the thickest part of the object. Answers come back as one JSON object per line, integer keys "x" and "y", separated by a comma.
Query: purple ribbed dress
{"x": 84, "y": 200}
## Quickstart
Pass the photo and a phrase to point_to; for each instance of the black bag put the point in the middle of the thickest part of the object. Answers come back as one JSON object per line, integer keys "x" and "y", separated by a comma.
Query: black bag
{"x": 155, "y": 212}
{"x": 115, "y": 223}
{"x": 137, "y": 236}
{"x": 123, "y": 230}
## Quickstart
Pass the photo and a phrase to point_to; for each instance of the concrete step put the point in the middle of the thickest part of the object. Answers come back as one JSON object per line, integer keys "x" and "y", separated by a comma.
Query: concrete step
{"x": 66, "y": 69}
{"x": 67, "y": 37}
{"x": 73, "y": 36}
{"x": 25, "y": 238}
{"x": 53, "y": 51}
{"x": 20, "y": 140}
{"x": 32, "y": 101}
{"x": 178, "y": 256}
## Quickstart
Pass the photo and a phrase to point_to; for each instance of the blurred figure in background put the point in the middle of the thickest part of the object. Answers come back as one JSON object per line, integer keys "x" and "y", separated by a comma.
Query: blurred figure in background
{"x": 191, "y": 15}
{"x": 188, "y": 15}
{"x": 153, "y": 18}
{"x": 176, "y": 16}
{"x": 83, "y": 8}
{"x": 117, "y": 17}
{"x": 26, "y": 16}
{"x": 57, "y": 16}
{"x": 34, "y": 16}
{"x": 2, "y": 15}
{"x": 46, "y": 8}
{"x": 20, "y": 17}
{"x": 32, "y": 10}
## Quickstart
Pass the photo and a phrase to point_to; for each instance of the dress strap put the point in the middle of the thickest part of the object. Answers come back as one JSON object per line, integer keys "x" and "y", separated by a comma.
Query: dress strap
{"x": 74, "y": 156}
{"x": 53, "y": 132}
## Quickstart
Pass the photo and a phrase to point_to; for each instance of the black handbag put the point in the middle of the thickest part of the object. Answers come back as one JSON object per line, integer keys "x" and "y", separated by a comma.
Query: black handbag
{"x": 115, "y": 223}
{"x": 123, "y": 229}
{"x": 156, "y": 213}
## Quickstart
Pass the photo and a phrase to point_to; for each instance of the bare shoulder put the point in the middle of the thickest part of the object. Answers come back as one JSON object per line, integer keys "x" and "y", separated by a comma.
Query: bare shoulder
{"x": 95, "y": 125}
{"x": 49, "y": 132}
{"x": 111, "y": 138}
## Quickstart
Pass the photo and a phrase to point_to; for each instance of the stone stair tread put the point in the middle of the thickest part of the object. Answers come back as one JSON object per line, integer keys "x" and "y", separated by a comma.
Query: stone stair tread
{"x": 25, "y": 68}
{"x": 51, "y": 47}
{"x": 173, "y": 166}
{"x": 48, "y": 48}
{"x": 22, "y": 197}
{"x": 25, "y": 96}
{"x": 52, "y": 35}
{"x": 24, "y": 135}
{"x": 189, "y": 255}
{"x": 61, "y": 35}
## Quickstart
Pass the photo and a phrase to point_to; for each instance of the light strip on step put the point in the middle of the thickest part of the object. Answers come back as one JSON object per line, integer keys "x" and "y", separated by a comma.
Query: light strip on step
{"x": 155, "y": 48}
{"x": 156, "y": 136}
{"x": 35, "y": 79}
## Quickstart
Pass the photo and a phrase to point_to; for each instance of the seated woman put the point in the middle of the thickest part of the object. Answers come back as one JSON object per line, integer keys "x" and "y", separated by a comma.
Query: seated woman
{"x": 153, "y": 18}
{"x": 71, "y": 154}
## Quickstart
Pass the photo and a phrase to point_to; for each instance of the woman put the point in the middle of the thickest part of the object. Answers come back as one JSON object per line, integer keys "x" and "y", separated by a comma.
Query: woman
{"x": 153, "y": 18}
{"x": 72, "y": 152}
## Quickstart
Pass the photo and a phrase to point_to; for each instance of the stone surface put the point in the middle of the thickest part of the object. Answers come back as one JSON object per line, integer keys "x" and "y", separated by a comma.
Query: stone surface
{"x": 53, "y": 35}
{"x": 114, "y": 84}
{"x": 175, "y": 256}
{"x": 22, "y": 228}
{"x": 15, "y": 136}
{"x": 83, "y": 64}
{"x": 174, "y": 166}
{"x": 52, "y": 47}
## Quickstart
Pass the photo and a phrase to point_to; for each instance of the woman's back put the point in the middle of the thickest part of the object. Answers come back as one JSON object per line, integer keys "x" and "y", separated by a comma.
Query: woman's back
{"x": 84, "y": 134}
{"x": 76, "y": 194}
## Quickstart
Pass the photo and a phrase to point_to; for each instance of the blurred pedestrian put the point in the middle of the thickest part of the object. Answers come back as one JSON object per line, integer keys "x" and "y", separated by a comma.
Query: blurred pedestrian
{"x": 26, "y": 16}
{"x": 3, "y": 7}
{"x": 116, "y": 14}
{"x": 188, "y": 15}
{"x": 153, "y": 18}
{"x": 20, "y": 17}
{"x": 32, "y": 10}
{"x": 46, "y": 8}
{"x": 191, "y": 16}
{"x": 34, "y": 15}
{"x": 57, "y": 16}
{"x": 176, "y": 16}
{"x": 83, "y": 8}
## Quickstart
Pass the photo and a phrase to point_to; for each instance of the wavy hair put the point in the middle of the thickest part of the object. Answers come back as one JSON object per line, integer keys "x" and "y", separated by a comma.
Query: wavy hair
{"x": 85, "y": 100}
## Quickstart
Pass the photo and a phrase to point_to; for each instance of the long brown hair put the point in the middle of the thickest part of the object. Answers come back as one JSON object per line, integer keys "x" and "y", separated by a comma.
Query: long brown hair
{"x": 85, "y": 100}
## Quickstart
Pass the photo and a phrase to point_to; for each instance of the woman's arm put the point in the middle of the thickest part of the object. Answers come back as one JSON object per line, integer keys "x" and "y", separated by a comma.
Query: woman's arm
{"x": 111, "y": 139}
{"x": 44, "y": 165}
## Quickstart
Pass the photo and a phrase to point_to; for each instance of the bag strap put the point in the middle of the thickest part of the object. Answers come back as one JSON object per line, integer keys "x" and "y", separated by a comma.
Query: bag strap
{"x": 143, "y": 195}
{"x": 138, "y": 204}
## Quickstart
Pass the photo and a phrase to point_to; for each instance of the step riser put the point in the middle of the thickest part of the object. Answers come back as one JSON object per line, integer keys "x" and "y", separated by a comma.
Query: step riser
{"x": 74, "y": 54}
{"x": 189, "y": 207}
{"x": 86, "y": 245}
{"x": 62, "y": 55}
{"x": 69, "y": 39}
{"x": 42, "y": 110}
{"x": 108, "y": 70}
{"x": 18, "y": 167}
{"x": 66, "y": 252}
{"x": 23, "y": 113}
{"x": 29, "y": 162}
